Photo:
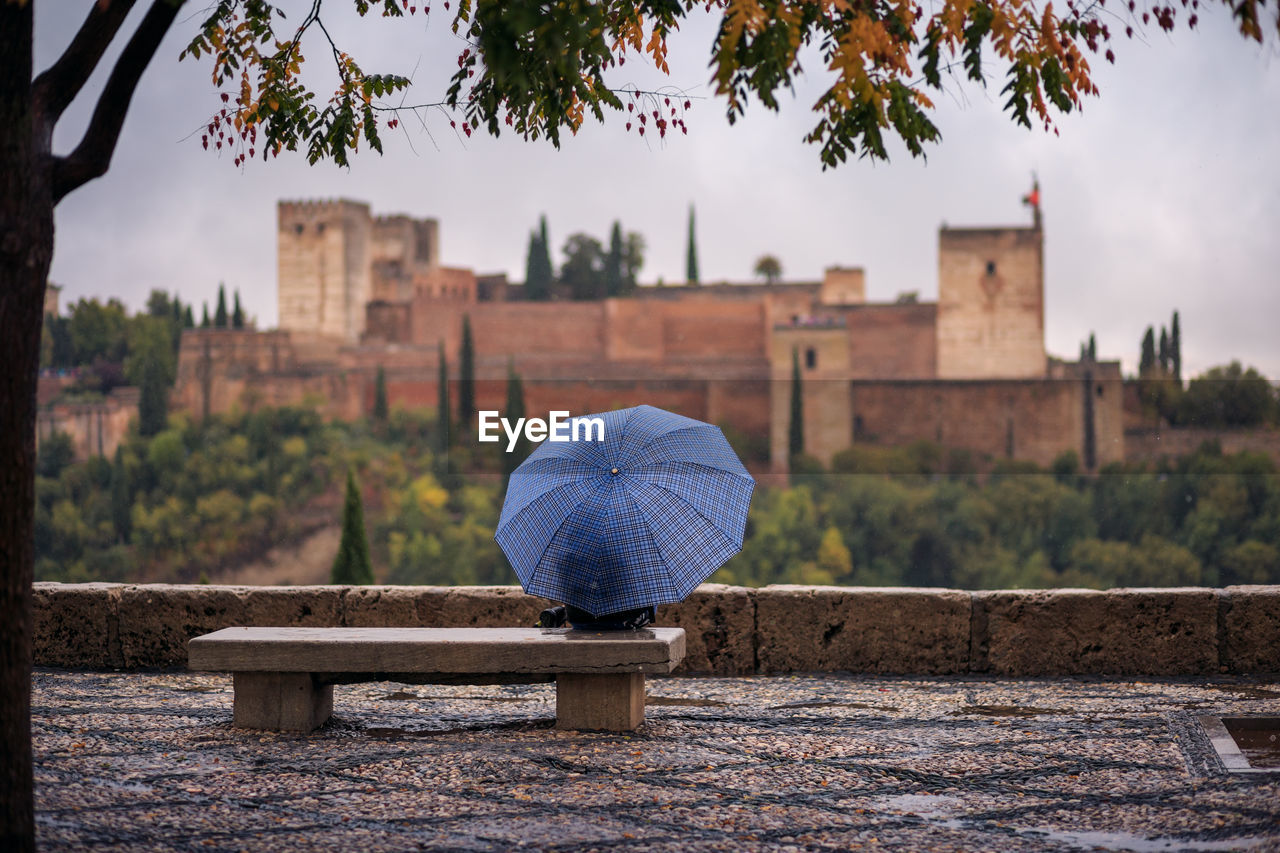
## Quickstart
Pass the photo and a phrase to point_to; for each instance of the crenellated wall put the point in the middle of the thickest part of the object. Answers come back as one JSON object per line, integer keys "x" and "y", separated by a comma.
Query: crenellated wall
{"x": 729, "y": 630}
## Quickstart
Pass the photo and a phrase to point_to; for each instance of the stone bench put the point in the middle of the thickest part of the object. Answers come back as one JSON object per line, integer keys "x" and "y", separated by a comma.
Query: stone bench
{"x": 284, "y": 677}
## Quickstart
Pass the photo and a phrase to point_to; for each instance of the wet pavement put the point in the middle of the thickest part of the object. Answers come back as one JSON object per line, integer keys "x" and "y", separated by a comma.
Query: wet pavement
{"x": 150, "y": 762}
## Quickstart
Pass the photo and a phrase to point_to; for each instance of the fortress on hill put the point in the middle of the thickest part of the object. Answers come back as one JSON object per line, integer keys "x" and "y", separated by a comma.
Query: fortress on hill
{"x": 358, "y": 292}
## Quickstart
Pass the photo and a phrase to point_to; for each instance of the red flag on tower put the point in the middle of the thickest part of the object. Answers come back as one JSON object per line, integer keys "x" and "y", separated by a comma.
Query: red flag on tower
{"x": 1033, "y": 199}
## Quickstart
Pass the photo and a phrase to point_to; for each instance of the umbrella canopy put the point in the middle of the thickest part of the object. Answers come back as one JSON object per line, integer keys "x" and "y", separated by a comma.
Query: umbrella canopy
{"x": 639, "y": 518}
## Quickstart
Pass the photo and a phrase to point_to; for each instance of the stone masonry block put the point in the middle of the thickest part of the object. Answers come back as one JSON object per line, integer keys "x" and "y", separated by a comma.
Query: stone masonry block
{"x": 1251, "y": 629}
{"x": 75, "y": 624}
{"x": 288, "y": 606}
{"x": 393, "y": 606}
{"x": 1117, "y": 632}
{"x": 157, "y": 620}
{"x": 888, "y": 630}
{"x": 719, "y": 622}
{"x": 489, "y": 607}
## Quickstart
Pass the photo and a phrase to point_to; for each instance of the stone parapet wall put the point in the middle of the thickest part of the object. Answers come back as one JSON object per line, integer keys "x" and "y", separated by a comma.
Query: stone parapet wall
{"x": 730, "y": 630}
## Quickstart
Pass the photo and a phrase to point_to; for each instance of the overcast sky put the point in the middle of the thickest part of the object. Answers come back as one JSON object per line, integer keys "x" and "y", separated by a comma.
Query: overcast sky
{"x": 1163, "y": 194}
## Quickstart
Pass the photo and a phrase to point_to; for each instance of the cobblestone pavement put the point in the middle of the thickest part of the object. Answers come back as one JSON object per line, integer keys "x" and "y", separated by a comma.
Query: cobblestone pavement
{"x": 148, "y": 762}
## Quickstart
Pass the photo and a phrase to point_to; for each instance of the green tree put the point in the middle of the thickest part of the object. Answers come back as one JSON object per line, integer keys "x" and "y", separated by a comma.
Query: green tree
{"x": 159, "y": 305}
{"x": 583, "y": 269}
{"x": 795, "y": 424}
{"x": 204, "y": 318}
{"x": 98, "y": 332}
{"x": 1175, "y": 349}
{"x": 1093, "y": 347}
{"x": 220, "y": 313}
{"x": 380, "y": 410}
{"x": 691, "y": 254}
{"x": 882, "y": 61}
{"x": 188, "y": 319}
{"x": 514, "y": 411}
{"x": 121, "y": 497}
{"x": 1162, "y": 354}
{"x": 1147, "y": 363}
{"x": 237, "y": 313}
{"x": 632, "y": 261}
{"x": 151, "y": 366}
{"x": 351, "y": 565}
{"x": 613, "y": 262}
{"x": 56, "y": 453}
{"x": 442, "y": 405}
{"x": 466, "y": 377}
{"x": 769, "y": 268}
{"x": 537, "y": 269}
{"x": 835, "y": 563}
{"x": 540, "y": 272}
{"x": 1230, "y": 396}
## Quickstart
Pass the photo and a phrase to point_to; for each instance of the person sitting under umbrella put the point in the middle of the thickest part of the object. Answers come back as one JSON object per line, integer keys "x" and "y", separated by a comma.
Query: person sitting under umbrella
{"x": 614, "y": 527}
{"x": 625, "y": 620}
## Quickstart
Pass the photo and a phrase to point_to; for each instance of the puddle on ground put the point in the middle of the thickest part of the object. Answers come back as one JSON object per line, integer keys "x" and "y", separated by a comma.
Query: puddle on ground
{"x": 1004, "y": 711}
{"x": 394, "y": 733}
{"x": 1258, "y": 739}
{"x": 838, "y": 705}
{"x": 1087, "y": 840}
{"x": 409, "y": 694}
{"x": 921, "y": 805}
{"x": 686, "y": 703}
{"x": 1245, "y": 691}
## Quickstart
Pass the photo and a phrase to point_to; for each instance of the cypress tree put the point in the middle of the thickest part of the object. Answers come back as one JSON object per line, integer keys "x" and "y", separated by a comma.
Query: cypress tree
{"x": 380, "y": 409}
{"x": 691, "y": 272}
{"x": 153, "y": 399}
{"x": 514, "y": 411}
{"x": 1175, "y": 348}
{"x": 1148, "y": 360}
{"x": 532, "y": 287}
{"x": 204, "y": 319}
{"x": 545, "y": 270}
{"x": 466, "y": 376}
{"x": 538, "y": 272}
{"x": 237, "y": 315}
{"x": 351, "y": 565}
{"x": 795, "y": 428}
{"x": 188, "y": 320}
{"x": 442, "y": 406}
{"x": 1164, "y": 350}
{"x": 121, "y": 498}
{"x": 220, "y": 314}
{"x": 1093, "y": 347}
{"x": 613, "y": 262}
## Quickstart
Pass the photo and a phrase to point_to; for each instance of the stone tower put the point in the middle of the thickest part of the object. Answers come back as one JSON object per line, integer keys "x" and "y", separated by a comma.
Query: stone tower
{"x": 323, "y": 267}
{"x": 991, "y": 303}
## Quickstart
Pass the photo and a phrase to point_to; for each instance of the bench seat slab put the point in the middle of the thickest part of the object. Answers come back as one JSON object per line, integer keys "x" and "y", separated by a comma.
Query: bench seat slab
{"x": 437, "y": 650}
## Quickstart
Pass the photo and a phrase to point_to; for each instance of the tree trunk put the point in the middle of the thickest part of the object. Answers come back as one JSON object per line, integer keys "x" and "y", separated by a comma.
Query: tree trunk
{"x": 26, "y": 249}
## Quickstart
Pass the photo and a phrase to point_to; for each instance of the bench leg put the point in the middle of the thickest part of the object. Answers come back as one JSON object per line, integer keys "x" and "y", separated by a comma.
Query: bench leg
{"x": 613, "y": 702}
{"x": 281, "y": 701}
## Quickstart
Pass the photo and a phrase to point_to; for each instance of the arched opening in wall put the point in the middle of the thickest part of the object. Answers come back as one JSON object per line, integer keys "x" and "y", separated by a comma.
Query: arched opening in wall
{"x": 991, "y": 267}
{"x": 298, "y": 229}
{"x": 810, "y": 358}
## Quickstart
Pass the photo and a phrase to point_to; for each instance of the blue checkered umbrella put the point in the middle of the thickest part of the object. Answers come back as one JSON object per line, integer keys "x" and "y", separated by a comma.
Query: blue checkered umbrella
{"x": 639, "y": 518}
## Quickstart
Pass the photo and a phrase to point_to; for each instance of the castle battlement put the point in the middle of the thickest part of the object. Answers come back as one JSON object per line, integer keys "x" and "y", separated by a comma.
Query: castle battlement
{"x": 317, "y": 208}
{"x": 398, "y": 218}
